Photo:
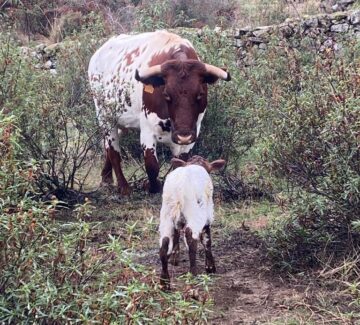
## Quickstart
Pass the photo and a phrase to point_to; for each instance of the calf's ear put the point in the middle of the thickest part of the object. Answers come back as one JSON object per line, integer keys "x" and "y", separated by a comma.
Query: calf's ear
{"x": 176, "y": 162}
{"x": 217, "y": 164}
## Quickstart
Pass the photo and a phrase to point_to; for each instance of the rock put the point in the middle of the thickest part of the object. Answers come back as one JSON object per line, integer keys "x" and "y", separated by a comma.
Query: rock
{"x": 262, "y": 46}
{"x": 48, "y": 65}
{"x": 355, "y": 17}
{"x": 286, "y": 30}
{"x": 340, "y": 28}
{"x": 346, "y": 2}
{"x": 40, "y": 48}
{"x": 338, "y": 16}
{"x": 243, "y": 30}
{"x": 255, "y": 40}
{"x": 239, "y": 42}
{"x": 262, "y": 31}
{"x": 52, "y": 49}
{"x": 311, "y": 22}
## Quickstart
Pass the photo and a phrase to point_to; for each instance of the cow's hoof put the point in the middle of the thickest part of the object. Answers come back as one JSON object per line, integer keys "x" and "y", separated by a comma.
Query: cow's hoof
{"x": 210, "y": 269}
{"x": 174, "y": 259}
{"x": 153, "y": 188}
{"x": 125, "y": 190}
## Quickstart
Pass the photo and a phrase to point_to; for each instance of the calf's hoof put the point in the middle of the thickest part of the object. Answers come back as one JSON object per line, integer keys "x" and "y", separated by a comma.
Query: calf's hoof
{"x": 165, "y": 282}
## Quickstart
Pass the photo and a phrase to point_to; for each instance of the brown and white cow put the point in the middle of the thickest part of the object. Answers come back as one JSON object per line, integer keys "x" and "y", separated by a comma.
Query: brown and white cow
{"x": 155, "y": 82}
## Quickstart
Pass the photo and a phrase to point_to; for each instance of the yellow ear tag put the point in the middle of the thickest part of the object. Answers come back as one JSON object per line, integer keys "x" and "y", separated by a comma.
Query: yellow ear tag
{"x": 149, "y": 89}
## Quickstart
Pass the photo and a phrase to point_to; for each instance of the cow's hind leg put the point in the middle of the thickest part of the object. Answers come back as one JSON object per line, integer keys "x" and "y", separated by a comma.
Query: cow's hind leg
{"x": 152, "y": 168}
{"x": 113, "y": 152}
{"x": 106, "y": 173}
{"x": 206, "y": 241}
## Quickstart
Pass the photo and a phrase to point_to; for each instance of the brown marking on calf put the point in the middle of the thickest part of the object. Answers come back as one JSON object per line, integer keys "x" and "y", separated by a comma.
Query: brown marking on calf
{"x": 192, "y": 244}
{"x": 205, "y": 238}
{"x": 174, "y": 260}
{"x": 152, "y": 169}
{"x": 164, "y": 278}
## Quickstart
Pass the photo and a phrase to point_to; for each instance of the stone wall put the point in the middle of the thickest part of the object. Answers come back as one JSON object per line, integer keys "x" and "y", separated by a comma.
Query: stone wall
{"x": 326, "y": 28}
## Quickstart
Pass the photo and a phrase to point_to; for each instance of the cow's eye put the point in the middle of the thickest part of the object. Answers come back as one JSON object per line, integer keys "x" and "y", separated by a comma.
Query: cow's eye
{"x": 167, "y": 97}
{"x": 199, "y": 96}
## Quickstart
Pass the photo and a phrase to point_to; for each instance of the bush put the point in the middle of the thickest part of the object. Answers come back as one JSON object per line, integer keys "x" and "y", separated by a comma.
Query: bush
{"x": 308, "y": 108}
{"x": 55, "y": 111}
{"x": 52, "y": 273}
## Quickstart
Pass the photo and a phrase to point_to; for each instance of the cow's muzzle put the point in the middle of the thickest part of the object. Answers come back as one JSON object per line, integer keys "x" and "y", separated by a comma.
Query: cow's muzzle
{"x": 183, "y": 138}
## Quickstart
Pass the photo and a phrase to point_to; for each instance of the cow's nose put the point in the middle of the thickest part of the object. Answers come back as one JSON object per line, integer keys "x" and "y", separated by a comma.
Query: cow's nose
{"x": 184, "y": 139}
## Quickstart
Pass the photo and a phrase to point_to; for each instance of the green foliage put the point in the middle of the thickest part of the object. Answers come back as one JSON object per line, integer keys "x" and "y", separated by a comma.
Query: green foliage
{"x": 227, "y": 129}
{"x": 54, "y": 111}
{"x": 308, "y": 110}
{"x": 51, "y": 272}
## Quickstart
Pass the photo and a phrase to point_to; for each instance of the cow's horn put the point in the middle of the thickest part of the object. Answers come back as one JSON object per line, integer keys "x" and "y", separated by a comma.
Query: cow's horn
{"x": 150, "y": 71}
{"x": 222, "y": 74}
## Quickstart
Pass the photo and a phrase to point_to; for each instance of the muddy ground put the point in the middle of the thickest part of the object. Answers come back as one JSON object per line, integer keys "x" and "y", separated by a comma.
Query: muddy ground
{"x": 246, "y": 289}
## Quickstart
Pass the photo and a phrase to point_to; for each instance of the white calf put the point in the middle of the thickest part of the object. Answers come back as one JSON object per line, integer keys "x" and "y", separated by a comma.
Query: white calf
{"x": 187, "y": 203}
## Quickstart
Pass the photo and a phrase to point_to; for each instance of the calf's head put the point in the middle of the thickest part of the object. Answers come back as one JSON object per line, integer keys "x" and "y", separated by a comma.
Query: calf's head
{"x": 183, "y": 87}
{"x": 200, "y": 161}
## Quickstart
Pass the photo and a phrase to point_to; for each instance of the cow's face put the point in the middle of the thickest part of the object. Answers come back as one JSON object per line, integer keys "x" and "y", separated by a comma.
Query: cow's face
{"x": 183, "y": 86}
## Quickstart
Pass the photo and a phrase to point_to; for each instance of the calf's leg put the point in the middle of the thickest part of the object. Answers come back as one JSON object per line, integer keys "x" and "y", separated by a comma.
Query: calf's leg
{"x": 164, "y": 278}
{"x": 206, "y": 241}
{"x": 174, "y": 260}
{"x": 192, "y": 245}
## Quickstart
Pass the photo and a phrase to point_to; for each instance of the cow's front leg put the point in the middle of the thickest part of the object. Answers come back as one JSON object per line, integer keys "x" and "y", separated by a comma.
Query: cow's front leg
{"x": 152, "y": 168}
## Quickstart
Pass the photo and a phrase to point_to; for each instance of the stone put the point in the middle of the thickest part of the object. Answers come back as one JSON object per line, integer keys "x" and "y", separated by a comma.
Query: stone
{"x": 262, "y": 46}
{"x": 286, "y": 30}
{"x": 355, "y": 17}
{"x": 337, "y": 16}
{"x": 239, "y": 43}
{"x": 52, "y": 49}
{"x": 311, "y": 22}
{"x": 48, "y": 65}
{"x": 340, "y": 28}
{"x": 255, "y": 40}
{"x": 262, "y": 31}
{"x": 40, "y": 48}
{"x": 243, "y": 30}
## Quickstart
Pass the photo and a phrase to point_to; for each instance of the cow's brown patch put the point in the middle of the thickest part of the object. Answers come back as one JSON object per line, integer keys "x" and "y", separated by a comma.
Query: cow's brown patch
{"x": 129, "y": 57}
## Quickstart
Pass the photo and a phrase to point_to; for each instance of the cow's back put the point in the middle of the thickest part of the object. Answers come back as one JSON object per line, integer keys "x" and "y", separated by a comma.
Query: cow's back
{"x": 112, "y": 72}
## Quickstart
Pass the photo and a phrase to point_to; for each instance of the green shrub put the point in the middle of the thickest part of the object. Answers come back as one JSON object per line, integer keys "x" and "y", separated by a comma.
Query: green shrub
{"x": 55, "y": 112}
{"x": 51, "y": 272}
{"x": 308, "y": 110}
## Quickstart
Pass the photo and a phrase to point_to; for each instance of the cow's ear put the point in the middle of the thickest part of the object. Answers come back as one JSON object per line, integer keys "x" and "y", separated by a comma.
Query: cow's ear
{"x": 217, "y": 164}
{"x": 210, "y": 78}
{"x": 154, "y": 80}
{"x": 176, "y": 162}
